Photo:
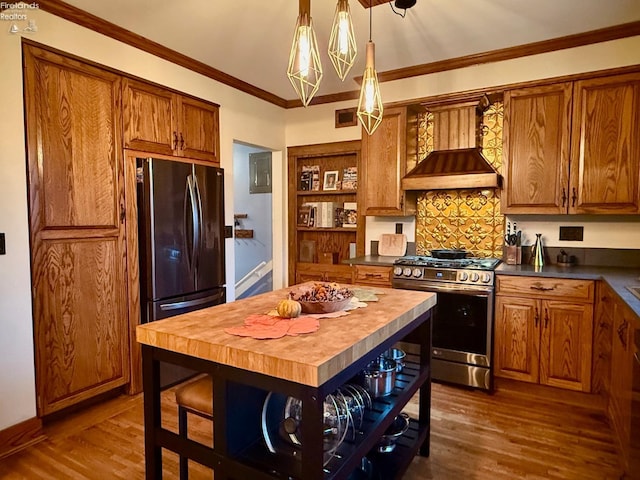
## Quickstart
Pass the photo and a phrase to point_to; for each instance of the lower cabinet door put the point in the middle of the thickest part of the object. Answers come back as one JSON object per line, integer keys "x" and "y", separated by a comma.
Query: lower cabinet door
{"x": 566, "y": 345}
{"x": 517, "y": 338}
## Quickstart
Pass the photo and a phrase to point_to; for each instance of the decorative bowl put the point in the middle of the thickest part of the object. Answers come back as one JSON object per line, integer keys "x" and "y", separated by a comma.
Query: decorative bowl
{"x": 322, "y": 297}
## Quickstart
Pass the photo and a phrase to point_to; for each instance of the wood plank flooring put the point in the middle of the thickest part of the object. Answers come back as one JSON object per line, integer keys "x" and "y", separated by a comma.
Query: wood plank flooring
{"x": 508, "y": 435}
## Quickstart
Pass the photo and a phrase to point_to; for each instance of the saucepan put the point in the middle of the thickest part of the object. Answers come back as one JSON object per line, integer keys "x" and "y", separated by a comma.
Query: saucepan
{"x": 379, "y": 377}
{"x": 400, "y": 425}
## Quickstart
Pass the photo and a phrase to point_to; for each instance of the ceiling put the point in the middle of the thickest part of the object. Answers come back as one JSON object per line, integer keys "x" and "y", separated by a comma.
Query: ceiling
{"x": 250, "y": 39}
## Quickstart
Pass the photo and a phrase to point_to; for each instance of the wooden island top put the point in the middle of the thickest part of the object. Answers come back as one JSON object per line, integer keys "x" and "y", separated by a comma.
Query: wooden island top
{"x": 309, "y": 359}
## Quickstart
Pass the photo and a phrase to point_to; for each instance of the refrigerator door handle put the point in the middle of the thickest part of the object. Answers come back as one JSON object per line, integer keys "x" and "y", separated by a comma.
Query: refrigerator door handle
{"x": 198, "y": 232}
{"x": 189, "y": 200}
{"x": 191, "y": 303}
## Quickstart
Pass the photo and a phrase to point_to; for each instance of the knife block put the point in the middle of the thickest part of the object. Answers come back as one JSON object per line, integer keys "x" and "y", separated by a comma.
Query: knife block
{"x": 513, "y": 255}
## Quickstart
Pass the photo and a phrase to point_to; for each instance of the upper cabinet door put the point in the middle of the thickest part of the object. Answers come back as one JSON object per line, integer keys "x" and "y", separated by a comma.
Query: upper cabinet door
{"x": 384, "y": 165}
{"x": 199, "y": 130}
{"x": 605, "y": 158}
{"x": 149, "y": 118}
{"x": 537, "y": 124}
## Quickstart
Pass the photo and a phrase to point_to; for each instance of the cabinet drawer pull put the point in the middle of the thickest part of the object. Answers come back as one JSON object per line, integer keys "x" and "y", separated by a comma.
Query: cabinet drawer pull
{"x": 541, "y": 288}
{"x": 574, "y": 197}
{"x": 536, "y": 319}
{"x": 564, "y": 197}
{"x": 175, "y": 140}
{"x": 373, "y": 275}
{"x": 181, "y": 142}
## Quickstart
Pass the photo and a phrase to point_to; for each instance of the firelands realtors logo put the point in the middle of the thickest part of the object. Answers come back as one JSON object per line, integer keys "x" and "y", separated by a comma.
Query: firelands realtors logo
{"x": 17, "y": 13}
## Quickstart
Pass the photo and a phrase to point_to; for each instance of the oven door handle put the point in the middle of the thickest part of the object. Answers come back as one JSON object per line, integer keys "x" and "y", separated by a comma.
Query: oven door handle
{"x": 461, "y": 289}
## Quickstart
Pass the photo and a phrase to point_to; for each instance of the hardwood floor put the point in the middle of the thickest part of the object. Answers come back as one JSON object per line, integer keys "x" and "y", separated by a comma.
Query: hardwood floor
{"x": 508, "y": 435}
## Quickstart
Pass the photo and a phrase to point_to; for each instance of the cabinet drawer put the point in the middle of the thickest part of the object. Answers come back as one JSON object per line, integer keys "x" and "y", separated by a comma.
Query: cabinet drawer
{"x": 545, "y": 287}
{"x": 373, "y": 275}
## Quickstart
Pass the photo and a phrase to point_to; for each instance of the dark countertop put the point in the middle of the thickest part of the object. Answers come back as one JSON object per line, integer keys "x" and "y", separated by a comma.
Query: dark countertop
{"x": 616, "y": 277}
{"x": 374, "y": 260}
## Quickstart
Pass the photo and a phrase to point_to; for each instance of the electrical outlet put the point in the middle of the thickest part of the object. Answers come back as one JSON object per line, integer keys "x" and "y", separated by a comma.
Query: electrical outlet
{"x": 3, "y": 249}
{"x": 398, "y": 228}
{"x": 572, "y": 234}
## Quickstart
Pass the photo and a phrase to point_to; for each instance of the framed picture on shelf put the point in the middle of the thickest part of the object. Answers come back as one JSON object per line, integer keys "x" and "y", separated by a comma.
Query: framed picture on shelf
{"x": 304, "y": 215}
{"x": 330, "y": 180}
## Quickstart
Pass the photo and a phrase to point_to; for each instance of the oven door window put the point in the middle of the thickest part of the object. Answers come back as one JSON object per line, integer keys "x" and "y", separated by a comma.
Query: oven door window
{"x": 460, "y": 323}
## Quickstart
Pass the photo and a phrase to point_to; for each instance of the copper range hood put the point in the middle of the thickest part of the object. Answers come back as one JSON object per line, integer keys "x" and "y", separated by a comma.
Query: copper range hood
{"x": 457, "y": 160}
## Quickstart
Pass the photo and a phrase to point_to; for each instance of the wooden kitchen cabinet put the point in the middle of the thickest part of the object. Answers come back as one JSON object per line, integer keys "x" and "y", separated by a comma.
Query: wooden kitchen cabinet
{"x": 573, "y": 147}
{"x": 536, "y": 142}
{"x": 384, "y": 163}
{"x": 315, "y": 272}
{"x": 621, "y": 386}
{"x": 602, "y": 339}
{"x": 372, "y": 275}
{"x": 159, "y": 120}
{"x": 605, "y": 145}
{"x": 76, "y": 215}
{"x": 543, "y": 331}
{"x": 316, "y": 252}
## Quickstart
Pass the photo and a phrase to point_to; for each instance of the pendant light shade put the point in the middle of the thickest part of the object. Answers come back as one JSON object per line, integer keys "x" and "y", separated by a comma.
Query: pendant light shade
{"x": 305, "y": 69}
{"x": 342, "y": 42}
{"x": 370, "y": 107}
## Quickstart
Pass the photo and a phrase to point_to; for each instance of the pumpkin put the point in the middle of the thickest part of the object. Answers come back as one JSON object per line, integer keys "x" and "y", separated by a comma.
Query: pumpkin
{"x": 289, "y": 308}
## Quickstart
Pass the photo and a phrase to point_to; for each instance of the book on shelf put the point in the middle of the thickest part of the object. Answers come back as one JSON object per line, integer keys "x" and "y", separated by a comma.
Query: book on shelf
{"x": 350, "y": 215}
{"x": 323, "y": 214}
{"x": 305, "y": 181}
{"x": 304, "y": 215}
{"x": 350, "y": 178}
{"x": 310, "y": 177}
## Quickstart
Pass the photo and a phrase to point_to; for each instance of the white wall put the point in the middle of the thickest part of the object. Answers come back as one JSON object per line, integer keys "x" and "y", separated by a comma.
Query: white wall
{"x": 315, "y": 124}
{"x": 242, "y": 117}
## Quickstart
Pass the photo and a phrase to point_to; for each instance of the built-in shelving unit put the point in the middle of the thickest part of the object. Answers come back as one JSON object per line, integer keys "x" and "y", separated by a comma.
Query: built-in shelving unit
{"x": 316, "y": 253}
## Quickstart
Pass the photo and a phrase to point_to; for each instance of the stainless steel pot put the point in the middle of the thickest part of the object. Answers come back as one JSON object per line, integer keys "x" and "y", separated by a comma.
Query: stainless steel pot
{"x": 379, "y": 377}
{"x": 397, "y": 355}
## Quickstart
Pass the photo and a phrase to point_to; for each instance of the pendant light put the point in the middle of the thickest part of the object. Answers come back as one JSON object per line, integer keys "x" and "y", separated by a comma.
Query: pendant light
{"x": 342, "y": 42}
{"x": 370, "y": 107}
{"x": 305, "y": 70}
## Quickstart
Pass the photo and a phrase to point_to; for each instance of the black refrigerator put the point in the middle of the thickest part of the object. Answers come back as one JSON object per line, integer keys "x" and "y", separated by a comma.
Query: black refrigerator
{"x": 181, "y": 239}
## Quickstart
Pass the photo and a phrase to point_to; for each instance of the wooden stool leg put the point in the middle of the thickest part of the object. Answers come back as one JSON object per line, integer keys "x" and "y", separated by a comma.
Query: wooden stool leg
{"x": 182, "y": 430}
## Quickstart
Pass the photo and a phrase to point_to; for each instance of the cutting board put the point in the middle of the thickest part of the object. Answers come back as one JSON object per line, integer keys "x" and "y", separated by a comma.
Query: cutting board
{"x": 392, "y": 244}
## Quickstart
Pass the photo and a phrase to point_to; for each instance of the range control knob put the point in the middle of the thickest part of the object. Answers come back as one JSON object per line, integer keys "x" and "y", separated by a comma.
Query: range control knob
{"x": 486, "y": 278}
{"x": 417, "y": 272}
{"x": 397, "y": 271}
{"x": 407, "y": 271}
{"x": 463, "y": 276}
{"x": 474, "y": 277}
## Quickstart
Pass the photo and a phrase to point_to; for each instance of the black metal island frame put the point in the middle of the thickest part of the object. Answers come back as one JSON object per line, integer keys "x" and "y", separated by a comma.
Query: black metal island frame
{"x": 306, "y": 367}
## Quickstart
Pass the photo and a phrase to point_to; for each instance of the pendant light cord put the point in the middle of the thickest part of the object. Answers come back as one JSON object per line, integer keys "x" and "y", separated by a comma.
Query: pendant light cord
{"x": 370, "y": 16}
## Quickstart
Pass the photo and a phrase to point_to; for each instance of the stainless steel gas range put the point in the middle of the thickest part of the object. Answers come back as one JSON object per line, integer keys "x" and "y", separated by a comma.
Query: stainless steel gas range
{"x": 463, "y": 317}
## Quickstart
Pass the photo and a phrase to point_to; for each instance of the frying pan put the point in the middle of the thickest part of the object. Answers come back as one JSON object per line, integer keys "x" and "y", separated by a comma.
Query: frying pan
{"x": 449, "y": 254}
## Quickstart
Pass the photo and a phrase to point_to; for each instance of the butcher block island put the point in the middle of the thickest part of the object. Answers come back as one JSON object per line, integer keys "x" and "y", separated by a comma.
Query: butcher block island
{"x": 294, "y": 407}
